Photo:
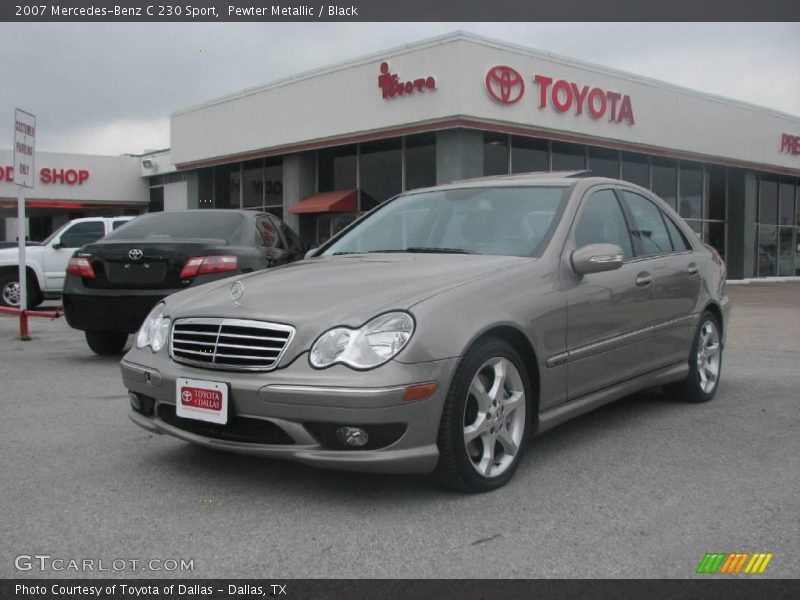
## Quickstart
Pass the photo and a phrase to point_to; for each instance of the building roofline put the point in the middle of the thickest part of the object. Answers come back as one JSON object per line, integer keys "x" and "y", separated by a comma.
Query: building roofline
{"x": 460, "y": 35}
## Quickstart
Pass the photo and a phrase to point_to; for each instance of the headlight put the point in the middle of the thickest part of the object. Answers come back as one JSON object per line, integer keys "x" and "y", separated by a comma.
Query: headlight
{"x": 154, "y": 330}
{"x": 366, "y": 347}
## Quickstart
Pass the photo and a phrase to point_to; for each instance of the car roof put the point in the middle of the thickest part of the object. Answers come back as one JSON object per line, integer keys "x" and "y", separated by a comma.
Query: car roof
{"x": 534, "y": 178}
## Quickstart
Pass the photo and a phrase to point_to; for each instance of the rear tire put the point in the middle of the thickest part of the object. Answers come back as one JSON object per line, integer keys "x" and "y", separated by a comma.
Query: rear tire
{"x": 485, "y": 420}
{"x": 705, "y": 364}
{"x": 106, "y": 343}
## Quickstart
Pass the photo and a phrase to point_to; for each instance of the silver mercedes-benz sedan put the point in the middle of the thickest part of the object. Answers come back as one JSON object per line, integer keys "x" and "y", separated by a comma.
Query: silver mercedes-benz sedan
{"x": 441, "y": 331}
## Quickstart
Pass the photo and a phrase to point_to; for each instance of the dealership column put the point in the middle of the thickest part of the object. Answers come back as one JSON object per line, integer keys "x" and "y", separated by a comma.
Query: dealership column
{"x": 459, "y": 155}
{"x": 742, "y": 194}
{"x": 299, "y": 181}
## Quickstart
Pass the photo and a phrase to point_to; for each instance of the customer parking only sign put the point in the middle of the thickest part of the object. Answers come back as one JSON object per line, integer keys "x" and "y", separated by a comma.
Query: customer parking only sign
{"x": 24, "y": 138}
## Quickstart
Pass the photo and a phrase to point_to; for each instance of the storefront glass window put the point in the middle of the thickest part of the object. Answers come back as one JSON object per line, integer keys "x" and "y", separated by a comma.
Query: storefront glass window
{"x": 786, "y": 202}
{"x": 495, "y": 153}
{"x": 528, "y": 154}
{"x": 691, "y": 191}
{"x": 226, "y": 186}
{"x": 604, "y": 162}
{"x": 715, "y": 236}
{"x": 381, "y": 172}
{"x": 273, "y": 186}
{"x": 205, "y": 188}
{"x": 253, "y": 184}
{"x": 767, "y": 250}
{"x": 568, "y": 157}
{"x": 636, "y": 169}
{"x": 786, "y": 244}
{"x": 767, "y": 201}
{"x": 420, "y": 161}
{"x": 665, "y": 180}
{"x": 337, "y": 169}
{"x": 715, "y": 207}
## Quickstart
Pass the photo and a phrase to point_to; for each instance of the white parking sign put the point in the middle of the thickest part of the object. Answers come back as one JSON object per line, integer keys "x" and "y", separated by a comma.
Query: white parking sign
{"x": 24, "y": 142}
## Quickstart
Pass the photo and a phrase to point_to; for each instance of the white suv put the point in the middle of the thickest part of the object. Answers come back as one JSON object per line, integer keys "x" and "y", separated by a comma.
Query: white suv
{"x": 47, "y": 260}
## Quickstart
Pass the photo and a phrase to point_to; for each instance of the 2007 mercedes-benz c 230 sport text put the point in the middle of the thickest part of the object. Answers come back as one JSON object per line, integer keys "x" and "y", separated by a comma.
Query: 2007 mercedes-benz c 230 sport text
{"x": 441, "y": 331}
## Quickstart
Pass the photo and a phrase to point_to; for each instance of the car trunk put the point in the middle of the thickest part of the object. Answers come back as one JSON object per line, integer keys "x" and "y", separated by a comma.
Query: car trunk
{"x": 119, "y": 265}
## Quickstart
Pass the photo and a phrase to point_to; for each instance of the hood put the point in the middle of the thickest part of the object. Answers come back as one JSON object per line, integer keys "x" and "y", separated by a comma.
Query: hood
{"x": 315, "y": 295}
{"x": 11, "y": 255}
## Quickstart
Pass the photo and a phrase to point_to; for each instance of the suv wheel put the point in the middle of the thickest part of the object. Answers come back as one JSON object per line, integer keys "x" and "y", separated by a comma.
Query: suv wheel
{"x": 705, "y": 364}
{"x": 486, "y": 419}
{"x": 10, "y": 292}
{"x": 106, "y": 343}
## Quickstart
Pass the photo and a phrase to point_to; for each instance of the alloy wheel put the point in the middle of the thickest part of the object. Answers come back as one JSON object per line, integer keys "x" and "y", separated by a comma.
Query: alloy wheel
{"x": 708, "y": 357}
{"x": 494, "y": 417}
{"x": 11, "y": 293}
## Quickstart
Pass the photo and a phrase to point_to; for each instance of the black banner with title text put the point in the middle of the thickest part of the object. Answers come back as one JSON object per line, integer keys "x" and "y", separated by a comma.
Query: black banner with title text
{"x": 708, "y": 588}
{"x": 392, "y": 10}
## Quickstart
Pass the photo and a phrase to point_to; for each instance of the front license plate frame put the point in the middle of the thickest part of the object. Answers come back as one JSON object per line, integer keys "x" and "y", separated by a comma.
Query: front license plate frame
{"x": 202, "y": 400}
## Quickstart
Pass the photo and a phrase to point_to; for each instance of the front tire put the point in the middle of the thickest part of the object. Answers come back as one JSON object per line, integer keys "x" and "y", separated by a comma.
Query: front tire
{"x": 486, "y": 419}
{"x": 705, "y": 364}
{"x": 10, "y": 292}
{"x": 106, "y": 343}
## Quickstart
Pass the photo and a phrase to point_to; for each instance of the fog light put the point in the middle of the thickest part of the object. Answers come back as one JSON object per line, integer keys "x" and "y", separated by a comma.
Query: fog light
{"x": 142, "y": 404}
{"x": 355, "y": 437}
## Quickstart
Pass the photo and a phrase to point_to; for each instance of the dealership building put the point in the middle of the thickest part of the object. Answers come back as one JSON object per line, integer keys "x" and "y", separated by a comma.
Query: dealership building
{"x": 319, "y": 148}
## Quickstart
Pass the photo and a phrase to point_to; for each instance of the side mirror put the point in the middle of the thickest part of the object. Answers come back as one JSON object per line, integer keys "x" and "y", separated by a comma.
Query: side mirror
{"x": 58, "y": 245}
{"x": 311, "y": 250}
{"x": 595, "y": 258}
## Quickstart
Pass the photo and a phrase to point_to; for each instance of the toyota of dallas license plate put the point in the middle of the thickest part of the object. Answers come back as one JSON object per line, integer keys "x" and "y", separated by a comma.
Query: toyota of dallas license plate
{"x": 201, "y": 400}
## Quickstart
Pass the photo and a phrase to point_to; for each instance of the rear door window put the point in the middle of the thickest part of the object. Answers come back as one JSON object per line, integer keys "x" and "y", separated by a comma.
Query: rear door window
{"x": 679, "y": 241}
{"x": 267, "y": 234}
{"x": 648, "y": 227}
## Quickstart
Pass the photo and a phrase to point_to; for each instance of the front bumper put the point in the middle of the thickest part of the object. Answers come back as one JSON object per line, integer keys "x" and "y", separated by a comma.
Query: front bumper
{"x": 298, "y": 400}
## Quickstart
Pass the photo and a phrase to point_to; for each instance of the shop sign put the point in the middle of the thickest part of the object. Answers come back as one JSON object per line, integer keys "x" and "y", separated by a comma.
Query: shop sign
{"x": 790, "y": 144}
{"x": 48, "y": 175}
{"x": 391, "y": 86}
{"x": 507, "y": 86}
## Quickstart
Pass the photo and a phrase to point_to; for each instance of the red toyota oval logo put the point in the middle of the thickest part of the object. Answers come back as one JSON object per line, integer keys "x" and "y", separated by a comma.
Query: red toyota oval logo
{"x": 505, "y": 84}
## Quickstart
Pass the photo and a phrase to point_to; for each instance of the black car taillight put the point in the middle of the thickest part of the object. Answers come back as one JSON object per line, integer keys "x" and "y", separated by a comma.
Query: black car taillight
{"x": 81, "y": 267}
{"x": 204, "y": 265}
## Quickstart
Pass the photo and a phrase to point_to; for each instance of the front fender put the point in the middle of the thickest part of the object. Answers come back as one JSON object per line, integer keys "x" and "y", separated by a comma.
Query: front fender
{"x": 12, "y": 263}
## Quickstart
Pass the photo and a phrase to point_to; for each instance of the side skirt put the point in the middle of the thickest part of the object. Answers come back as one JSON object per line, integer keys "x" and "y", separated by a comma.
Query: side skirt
{"x": 568, "y": 410}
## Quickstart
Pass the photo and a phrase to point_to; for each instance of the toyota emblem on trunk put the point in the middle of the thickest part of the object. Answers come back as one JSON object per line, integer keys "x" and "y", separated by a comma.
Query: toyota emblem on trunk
{"x": 135, "y": 254}
{"x": 237, "y": 291}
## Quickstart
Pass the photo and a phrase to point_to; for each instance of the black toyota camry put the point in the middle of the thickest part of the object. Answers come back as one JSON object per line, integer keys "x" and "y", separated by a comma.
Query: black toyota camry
{"x": 112, "y": 284}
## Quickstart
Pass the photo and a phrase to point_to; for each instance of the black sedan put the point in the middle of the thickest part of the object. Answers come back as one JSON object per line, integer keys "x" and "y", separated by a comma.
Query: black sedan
{"x": 112, "y": 284}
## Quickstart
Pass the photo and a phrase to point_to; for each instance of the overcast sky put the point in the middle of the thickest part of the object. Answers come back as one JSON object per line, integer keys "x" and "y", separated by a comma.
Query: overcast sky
{"x": 110, "y": 88}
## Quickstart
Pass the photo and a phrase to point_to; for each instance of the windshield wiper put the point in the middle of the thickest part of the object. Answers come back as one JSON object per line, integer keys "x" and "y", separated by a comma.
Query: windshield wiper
{"x": 412, "y": 249}
{"x": 424, "y": 249}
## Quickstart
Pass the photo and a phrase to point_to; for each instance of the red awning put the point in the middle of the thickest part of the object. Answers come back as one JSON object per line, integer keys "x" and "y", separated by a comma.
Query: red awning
{"x": 341, "y": 201}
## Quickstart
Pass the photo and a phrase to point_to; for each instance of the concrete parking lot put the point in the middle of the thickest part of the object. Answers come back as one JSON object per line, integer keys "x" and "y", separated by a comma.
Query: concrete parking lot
{"x": 641, "y": 488}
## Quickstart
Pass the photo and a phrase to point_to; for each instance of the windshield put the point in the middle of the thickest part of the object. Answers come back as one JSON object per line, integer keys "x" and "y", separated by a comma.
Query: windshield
{"x": 179, "y": 225}
{"x": 512, "y": 221}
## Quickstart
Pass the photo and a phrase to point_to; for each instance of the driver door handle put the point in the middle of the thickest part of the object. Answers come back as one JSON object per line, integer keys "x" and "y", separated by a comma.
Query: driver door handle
{"x": 643, "y": 279}
{"x": 692, "y": 269}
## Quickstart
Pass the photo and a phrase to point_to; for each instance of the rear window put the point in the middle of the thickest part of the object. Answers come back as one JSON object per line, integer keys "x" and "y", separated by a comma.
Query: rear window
{"x": 180, "y": 225}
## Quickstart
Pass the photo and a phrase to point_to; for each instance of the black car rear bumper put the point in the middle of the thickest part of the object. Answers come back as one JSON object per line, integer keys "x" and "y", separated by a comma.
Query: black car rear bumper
{"x": 123, "y": 312}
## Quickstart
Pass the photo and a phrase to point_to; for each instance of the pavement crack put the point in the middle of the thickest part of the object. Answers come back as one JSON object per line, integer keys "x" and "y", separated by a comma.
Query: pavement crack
{"x": 486, "y": 539}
